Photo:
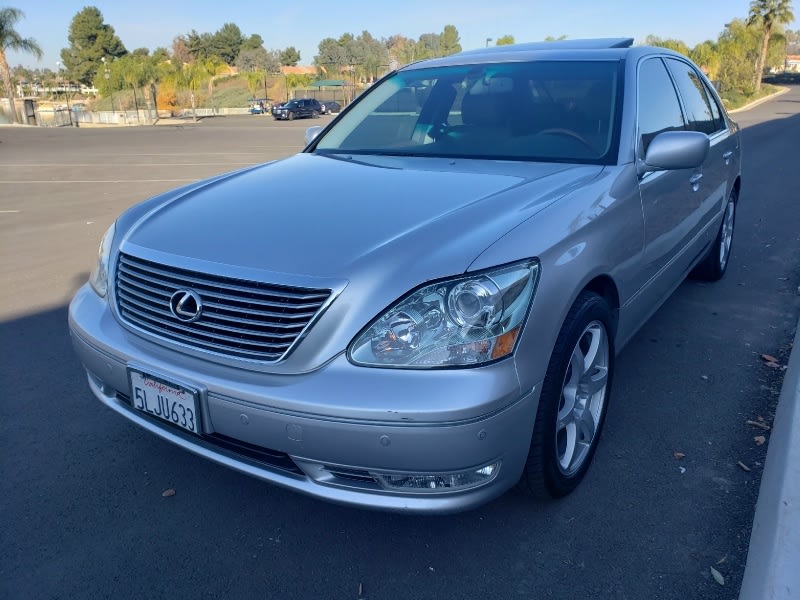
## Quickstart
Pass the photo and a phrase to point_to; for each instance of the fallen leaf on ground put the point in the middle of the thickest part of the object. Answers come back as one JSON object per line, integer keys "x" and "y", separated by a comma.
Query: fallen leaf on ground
{"x": 678, "y": 455}
{"x": 743, "y": 466}
{"x": 722, "y": 560}
{"x": 168, "y": 493}
{"x": 717, "y": 576}
{"x": 769, "y": 358}
{"x": 760, "y": 439}
{"x": 763, "y": 426}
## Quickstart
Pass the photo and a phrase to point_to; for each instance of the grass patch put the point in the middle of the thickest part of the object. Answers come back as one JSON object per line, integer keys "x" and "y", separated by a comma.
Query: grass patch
{"x": 229, "y": 97}
{"x": 735, "y": 99}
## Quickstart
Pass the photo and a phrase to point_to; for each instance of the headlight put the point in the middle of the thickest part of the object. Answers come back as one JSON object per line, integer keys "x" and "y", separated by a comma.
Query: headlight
{"x": 99, "y": 277}
{"x": 468, "y": 320}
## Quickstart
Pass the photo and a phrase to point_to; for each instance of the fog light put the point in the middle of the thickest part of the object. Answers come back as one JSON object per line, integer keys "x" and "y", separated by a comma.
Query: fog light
{"x": 439, "y": 482}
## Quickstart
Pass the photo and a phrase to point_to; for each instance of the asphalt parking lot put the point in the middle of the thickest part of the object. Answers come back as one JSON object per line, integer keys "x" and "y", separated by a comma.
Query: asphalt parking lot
{"x": 82, "y": 488}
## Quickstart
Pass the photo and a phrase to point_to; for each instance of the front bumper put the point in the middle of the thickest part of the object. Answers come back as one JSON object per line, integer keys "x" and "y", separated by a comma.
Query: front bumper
{"x": 327, "y": 432}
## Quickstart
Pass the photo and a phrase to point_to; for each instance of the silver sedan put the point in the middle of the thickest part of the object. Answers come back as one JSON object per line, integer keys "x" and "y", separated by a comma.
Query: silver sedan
{"x": 422, "y": 309}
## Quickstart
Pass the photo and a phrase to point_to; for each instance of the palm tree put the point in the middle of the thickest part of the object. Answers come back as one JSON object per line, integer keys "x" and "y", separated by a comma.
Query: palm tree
{"x": 768, "y": 13}
{"x": 11, "y": 40}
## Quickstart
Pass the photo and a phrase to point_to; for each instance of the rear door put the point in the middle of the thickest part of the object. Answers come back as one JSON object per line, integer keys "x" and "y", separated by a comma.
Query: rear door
{"x": 704, "y": 115}
{"x": 681, "y": 207}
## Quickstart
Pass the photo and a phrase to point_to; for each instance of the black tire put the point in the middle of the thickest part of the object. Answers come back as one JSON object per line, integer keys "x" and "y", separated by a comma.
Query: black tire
{"x": 291, "y": 116}
{"x": 715, "y": 263}
{"x": 573, "y": 402}
{"x": 314, "y": 114}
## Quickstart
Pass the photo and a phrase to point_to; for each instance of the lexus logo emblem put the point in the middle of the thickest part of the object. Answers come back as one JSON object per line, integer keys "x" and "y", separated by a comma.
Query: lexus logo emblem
{"x": 186, "y": 305}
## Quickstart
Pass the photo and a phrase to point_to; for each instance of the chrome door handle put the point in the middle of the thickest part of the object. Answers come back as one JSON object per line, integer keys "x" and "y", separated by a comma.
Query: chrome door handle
{"x": 727, "y": 157}
{"x": 694, "y": 181}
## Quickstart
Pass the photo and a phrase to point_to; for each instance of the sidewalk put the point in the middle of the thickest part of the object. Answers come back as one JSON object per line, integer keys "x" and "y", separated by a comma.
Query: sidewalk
{"x": 773, "y": 561}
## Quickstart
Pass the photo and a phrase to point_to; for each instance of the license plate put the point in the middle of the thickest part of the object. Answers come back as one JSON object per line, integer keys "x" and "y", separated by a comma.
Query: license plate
{"x": 165, "y": 400}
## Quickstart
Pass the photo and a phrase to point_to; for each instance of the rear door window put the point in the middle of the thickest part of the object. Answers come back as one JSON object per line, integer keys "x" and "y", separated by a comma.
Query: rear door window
{"x": 695, "y": 98}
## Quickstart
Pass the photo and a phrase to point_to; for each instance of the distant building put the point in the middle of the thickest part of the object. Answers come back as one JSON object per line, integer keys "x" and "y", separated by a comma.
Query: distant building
{"x": 299, "y": 71}
{"x": 793, "y": 63}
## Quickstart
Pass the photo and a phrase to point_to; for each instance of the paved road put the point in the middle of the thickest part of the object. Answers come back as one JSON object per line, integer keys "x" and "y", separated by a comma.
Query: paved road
{"x": 81, "y": 489}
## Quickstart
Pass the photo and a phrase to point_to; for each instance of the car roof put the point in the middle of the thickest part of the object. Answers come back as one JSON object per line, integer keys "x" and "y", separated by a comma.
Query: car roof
{"x": 582, "y": 49}
{"x": 587, "y": 44}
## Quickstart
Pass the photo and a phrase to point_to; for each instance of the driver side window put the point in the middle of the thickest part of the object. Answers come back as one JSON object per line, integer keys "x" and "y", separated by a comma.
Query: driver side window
{"x": 658, "y": 107}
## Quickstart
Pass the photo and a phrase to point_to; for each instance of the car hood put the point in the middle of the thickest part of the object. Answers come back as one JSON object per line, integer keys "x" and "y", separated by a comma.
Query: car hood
{"x": 321, "y": 216}
{"x": 369, "y": 228}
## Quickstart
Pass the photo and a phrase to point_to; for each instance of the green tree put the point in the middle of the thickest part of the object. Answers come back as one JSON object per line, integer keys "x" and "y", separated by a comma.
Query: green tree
{"x": 160, "y": 54}
{"x": 792, "y": 41}
{"x": 227, "y": 42}
{"x": 192, "y": 77}
{"x": 114, "y": 82}
{"x": 449, "y": 41}
{"x": 11, "y": 40}
{"x": 24, "y": 78}
{"x": 290, "y": 57}
{"x": 427, "y": 46}
{"x": 738, "y": 48}
{"x": 706, "y": 56}
{"x": 401, "y": 49}
{"x": 199, "y": 45}
{"x": 766, "y": 14}
{"x": 373, "y": 56}
{"x": 90, "y": 39}
{"x": 672, "y": 44}
{"x": 250, "y": 61}
{"x": 136, "y": 71}
{"x": 255, "y": 81}
{"x": 333, "y": 55}
{"x": 254, "y": 42}
{"x": 506, "y": 40}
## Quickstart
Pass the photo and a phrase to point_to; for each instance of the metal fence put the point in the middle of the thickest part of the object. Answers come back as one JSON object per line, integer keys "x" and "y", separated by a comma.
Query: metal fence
{"x": 46, "y": 117}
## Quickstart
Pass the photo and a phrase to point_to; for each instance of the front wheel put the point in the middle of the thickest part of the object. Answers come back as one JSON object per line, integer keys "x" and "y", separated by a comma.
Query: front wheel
{"x": 573, "y": 402}
{"x": 291, "y": 116}
{"x": 715, "y": 263}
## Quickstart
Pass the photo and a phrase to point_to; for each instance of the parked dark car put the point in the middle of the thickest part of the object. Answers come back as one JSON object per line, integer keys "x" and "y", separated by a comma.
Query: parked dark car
{"x": 422, "y": 309}
{"x": 298, "y": 109}
{"x": 331, "y": 106}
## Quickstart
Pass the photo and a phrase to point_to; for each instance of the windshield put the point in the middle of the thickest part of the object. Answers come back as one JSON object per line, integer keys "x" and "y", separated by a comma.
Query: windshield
{"x": 547, "y": 110}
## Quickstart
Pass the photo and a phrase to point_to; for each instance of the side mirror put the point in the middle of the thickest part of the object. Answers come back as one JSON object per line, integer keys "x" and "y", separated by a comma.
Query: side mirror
{"x": 312, "y": 133}
{"x": 675, "y": 150}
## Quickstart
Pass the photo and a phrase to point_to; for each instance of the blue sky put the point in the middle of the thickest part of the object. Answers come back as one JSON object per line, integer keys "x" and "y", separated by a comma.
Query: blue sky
{"x": 303, "y": 24}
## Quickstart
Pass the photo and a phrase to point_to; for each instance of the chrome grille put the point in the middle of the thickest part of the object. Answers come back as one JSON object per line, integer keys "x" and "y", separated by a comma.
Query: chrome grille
{"x": 246, "y": 319}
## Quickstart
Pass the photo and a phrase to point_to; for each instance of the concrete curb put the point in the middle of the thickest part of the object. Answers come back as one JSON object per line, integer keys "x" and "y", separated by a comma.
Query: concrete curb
{"x": 773, "y": 561}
